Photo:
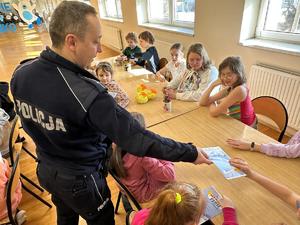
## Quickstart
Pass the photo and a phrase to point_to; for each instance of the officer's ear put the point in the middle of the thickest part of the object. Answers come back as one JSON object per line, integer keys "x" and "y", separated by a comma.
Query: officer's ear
{"x": 70, "y": 41}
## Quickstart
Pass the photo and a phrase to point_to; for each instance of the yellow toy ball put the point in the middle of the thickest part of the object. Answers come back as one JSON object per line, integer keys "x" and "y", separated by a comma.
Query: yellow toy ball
{"x": 141, "y": 88}
{"x": 141, "y": 98}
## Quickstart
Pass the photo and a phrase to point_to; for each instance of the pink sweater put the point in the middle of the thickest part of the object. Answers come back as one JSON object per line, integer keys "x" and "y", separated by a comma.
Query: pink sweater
{"x": 289, "y": 150}
{"x": 146, "y": 176}
{"x": 228, "y": 213}
{"x": 4, "y": 175}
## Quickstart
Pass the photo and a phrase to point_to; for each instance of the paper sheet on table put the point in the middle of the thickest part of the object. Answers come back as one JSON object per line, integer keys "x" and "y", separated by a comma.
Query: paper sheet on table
{"x": 221, "y": 160}
{"x": 213, "y": 206}
{"x": 139, "y": 72}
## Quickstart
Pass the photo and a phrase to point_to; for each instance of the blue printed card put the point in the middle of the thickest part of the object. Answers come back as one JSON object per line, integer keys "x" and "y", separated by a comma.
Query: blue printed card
{"x": 221, "y": 160}
{"x": 213, "y": 206}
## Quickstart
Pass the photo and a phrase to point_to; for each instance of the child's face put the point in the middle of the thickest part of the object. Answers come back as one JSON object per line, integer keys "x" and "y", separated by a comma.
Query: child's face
{"x": 228, "y": 77}
{"x": 104, "y": 76}
{"x": 195, "y": 61}
{"x": 176, "y": 55}
{"x": 143, "y": 43}
{"x": 131, "y": 43}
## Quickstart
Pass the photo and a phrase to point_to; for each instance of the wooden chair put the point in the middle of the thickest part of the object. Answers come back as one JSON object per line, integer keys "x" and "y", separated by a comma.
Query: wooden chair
{"x": 123, "y": 191}
{"x": 274, "y": 109}
{"x": 162, "y": 63}
{"x": 14, "y": 140}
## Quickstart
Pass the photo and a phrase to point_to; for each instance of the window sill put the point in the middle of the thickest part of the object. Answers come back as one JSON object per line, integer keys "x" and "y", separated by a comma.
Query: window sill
{"x": 276, "y": 46}
{"x": 181, "y": 30}
{"x": 112, "y": 19}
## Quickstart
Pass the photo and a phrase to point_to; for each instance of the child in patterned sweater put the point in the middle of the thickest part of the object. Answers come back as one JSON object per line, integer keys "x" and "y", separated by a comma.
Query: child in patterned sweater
{"x": 104, "y": 73}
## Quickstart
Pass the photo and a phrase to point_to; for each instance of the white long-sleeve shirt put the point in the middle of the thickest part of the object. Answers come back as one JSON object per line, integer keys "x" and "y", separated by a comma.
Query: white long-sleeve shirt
{"x": 191, "y": 84}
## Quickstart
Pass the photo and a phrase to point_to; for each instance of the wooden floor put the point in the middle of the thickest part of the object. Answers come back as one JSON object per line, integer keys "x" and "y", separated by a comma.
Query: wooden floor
{"x": 24, "y": 44}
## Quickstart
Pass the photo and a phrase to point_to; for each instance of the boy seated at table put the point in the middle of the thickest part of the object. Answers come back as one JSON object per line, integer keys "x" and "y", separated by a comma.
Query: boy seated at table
{"x": 129, "y": 53}
{"x": 105, "y": 73}
{"x": 148, "y": 59}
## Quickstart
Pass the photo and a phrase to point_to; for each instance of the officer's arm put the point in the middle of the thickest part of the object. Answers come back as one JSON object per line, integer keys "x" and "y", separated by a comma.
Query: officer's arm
{"x": 117, "y": 123}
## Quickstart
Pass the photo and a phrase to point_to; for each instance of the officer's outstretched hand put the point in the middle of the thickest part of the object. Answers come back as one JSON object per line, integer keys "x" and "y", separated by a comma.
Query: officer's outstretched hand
{"x": 202, "y": 157}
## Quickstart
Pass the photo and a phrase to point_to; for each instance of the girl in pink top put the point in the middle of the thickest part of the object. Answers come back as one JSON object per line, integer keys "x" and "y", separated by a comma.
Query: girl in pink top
{"x": 234, "y": 98}
{"x": 289, "y": 150}
{"x": 143, "y": 176}
{"x": 180, "y": 204}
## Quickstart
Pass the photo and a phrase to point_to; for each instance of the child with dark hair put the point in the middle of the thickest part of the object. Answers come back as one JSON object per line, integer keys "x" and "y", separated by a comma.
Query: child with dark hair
{"x": 129, "y": 53}
{"x": 236, "y": 101}
{"x": 148, "y": 59}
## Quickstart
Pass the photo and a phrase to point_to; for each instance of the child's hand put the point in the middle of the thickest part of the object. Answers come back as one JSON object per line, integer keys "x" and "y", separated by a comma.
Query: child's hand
{"x": 164, "y": 90}
{"x": 171, "y": 93}
{"x": 160, "y": 77}
{"x": 242, "y": 165}
{"x": 244, "y": 145}
{"x": 132, "y": 61}
{"x": 216, "y": 83}
{"x": 226, "y": 202}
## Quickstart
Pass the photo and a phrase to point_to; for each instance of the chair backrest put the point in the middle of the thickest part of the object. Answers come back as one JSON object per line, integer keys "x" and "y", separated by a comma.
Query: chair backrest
{"x": 14, "y": 134}
{"x": 125, "y": 190}
{"x": 12, "y": 185}
{"x": 162, "y": 63}
{"x": 274, "y": 109}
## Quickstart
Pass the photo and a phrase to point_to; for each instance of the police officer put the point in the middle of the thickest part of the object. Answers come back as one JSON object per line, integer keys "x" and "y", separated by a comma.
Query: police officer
{"x": 73, "y": 120}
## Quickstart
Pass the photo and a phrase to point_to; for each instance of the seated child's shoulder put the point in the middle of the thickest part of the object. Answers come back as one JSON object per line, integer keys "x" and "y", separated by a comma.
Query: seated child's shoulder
{"x": 241, "y": 90}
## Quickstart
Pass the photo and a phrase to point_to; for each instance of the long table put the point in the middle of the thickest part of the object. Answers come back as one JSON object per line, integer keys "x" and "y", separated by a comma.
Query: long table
{"x": 254, "y": 204}
{"x": 153, "y": 110}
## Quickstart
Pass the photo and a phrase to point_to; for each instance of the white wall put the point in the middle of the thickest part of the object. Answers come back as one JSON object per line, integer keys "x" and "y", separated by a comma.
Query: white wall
{"x": 217, "y": 26}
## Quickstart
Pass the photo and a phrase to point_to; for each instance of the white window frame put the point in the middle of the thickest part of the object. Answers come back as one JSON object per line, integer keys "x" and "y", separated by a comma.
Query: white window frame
{"x": 273, "y": 35}
{"x": 171, "y": 21}
{"x": 102, "y": 4}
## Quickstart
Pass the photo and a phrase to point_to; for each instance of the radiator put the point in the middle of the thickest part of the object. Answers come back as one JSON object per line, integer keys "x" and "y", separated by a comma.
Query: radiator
{"x": 281, "y": 84}
{"x": 111, "y": 37}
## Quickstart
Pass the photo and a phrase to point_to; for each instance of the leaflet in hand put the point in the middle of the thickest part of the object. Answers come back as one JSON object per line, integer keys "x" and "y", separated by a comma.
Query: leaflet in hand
{"x": 213, "y": 206}
{"x": 221, "y": 160}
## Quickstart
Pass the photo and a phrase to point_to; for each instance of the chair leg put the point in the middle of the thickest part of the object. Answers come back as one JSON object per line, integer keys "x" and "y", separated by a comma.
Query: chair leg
{"x": 32, "y": 183}
{"x": 36, "y": 196}
{"x": 126, "y": 204}
{"x": 29, "y": 153}
{"x": 118, "y": 202}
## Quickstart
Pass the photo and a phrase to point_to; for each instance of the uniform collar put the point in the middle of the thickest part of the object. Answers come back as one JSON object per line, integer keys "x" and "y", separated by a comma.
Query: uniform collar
{"x": 52, "y": 56}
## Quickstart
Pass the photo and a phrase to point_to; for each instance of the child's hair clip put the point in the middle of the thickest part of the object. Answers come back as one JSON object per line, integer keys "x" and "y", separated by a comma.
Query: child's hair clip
{"x": 177, "y": 198}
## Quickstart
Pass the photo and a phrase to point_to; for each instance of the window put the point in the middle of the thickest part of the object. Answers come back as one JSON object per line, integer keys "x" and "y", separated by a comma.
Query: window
{"x": 279, "y": 20}
{"x": 171, "y": 12}
{"x": 111, "y": 9}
